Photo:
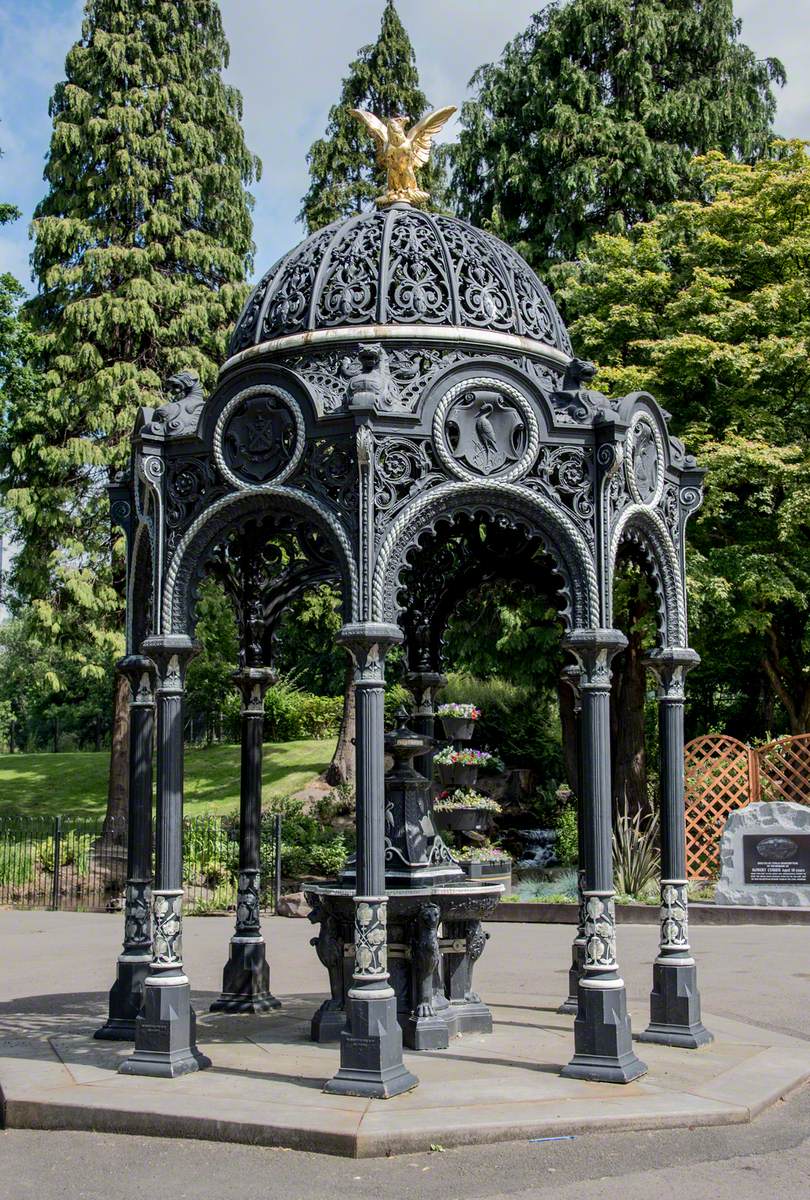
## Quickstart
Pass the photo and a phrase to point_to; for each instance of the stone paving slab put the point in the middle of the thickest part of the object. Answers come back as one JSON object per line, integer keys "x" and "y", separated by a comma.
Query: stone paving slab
{"x": 265, "y": 1085}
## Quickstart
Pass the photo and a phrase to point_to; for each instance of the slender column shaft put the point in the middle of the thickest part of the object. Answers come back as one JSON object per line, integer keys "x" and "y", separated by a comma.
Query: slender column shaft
{"x": 165, "y": 1041}
{"x": 126, "y": 994}
{"x": 371, "y": 1048}
{"x": 246, "y": 975}
{"x": 675, "y": 999}
{"x": 571, "y": 677}
{"x": 602, "y": 1036}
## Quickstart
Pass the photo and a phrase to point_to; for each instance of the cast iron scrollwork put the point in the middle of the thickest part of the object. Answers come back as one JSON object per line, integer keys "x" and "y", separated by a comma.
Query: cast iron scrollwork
{"x": 418, "y": 284}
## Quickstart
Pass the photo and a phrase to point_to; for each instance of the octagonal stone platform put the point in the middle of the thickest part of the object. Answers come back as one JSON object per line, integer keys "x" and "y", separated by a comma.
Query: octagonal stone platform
{"x": 265, "y": 1085}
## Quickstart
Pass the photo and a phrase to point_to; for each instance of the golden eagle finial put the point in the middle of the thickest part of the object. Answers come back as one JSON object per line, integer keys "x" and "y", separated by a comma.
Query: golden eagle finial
{"x": 403, "y": 153}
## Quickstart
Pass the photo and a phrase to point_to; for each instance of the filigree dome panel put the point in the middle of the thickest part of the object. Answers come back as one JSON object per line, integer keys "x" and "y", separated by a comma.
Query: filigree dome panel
{"x": 401, "y": 266}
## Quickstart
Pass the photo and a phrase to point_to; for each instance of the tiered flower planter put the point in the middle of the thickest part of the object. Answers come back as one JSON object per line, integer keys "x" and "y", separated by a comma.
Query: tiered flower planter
{"x": 458, "y": 721}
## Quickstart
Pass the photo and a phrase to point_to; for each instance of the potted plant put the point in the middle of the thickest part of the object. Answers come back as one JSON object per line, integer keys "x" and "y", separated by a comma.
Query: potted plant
{"x": 486, "y": 864}
{"x": 463, "y": 810}
{"x": 459, "y": 768}
{"x": 458, "y": 720}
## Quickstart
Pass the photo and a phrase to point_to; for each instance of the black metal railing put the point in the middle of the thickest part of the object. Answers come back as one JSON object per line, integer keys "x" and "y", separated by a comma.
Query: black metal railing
{"x": 80, "y": 864}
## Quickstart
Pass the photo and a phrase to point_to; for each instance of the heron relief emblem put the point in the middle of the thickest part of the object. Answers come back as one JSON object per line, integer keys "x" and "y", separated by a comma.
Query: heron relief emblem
{"x": 485, "y": 431}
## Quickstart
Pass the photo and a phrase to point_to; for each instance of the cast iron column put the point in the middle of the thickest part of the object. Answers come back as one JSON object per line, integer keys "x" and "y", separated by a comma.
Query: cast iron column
{"x": 675, "y": 999}
{"x": 603, "y": 1046}
{"x": 371, "y": 1047}
{"x": 424, "y": 685}
{"x": 126, "y": 994}
{"x": 246, "y": 977}
{"x": 570, "y": 677}
{"x": 165, "y": 1042}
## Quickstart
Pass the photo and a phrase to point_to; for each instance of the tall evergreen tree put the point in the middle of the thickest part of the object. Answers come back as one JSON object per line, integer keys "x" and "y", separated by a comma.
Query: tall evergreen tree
{"x": 591, "y": 118}
{"x": 344, "y": 176}
{"x": 141, "y": 249}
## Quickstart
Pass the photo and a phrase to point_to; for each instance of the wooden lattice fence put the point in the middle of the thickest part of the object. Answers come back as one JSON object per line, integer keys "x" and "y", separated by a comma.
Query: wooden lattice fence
{"x": 722, "y": 774}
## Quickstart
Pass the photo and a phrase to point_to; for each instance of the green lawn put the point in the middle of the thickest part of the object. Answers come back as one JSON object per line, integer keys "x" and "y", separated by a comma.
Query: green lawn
{"x": 76, "y": 784}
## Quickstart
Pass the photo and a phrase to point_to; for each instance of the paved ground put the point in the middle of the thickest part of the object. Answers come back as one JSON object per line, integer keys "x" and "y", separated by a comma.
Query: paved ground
{"x": 749, "y": 973}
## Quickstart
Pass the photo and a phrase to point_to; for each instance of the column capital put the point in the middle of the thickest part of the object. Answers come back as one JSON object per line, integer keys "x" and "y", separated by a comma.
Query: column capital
{"x": 140, "y": 672}
{"x": 423, "y": 686}
{"x": 171, "y": 655}
{"x": 571, "y": 676}
{"x": 594, "y": 650}
{"x": 670, "y": 666}
{"x": 368, "y": 642}
{"x": 253, "y": 682}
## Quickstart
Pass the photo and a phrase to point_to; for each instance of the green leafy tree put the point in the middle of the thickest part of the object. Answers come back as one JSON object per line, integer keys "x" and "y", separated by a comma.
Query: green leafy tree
{"x": 590, "y": 119}
{"x": 141, "y": 248}
{"x": 344, "y": 175}
{"x": 708, "y": 307}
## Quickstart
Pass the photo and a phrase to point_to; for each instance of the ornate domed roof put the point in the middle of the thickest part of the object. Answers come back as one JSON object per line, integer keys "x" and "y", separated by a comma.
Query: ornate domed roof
{"x": 400, "y": 266}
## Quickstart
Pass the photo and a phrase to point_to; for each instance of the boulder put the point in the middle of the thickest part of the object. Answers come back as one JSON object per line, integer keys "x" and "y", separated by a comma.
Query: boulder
{"x": 293, "y": 905}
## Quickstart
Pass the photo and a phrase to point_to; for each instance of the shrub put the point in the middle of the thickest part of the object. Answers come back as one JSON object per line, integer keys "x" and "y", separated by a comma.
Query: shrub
{"x": 291, "y": 715}
{"x": 636, "y": 856}
{"x": 331, "y": 858}
{"x": 522, "y": 723}
{"x": 566, "y": 845}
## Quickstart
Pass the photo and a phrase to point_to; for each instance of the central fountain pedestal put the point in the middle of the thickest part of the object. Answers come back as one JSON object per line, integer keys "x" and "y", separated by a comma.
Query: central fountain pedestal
{"x": 435, "y": 914}
{"x": 435, "y": 938}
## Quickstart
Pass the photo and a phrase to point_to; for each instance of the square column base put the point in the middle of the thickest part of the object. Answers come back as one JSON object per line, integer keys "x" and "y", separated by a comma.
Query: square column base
{"x": 246, "y": 980}
{"x": 371, "y": 1051}
{"x": 603, "y": 1041}
{"x": 575, "y": 973}
{"x": 165, "y": 1032}
{"x": 328, "y": 1023}
{"x": 675, "y": 1008}
{"x": 126, "y": 998}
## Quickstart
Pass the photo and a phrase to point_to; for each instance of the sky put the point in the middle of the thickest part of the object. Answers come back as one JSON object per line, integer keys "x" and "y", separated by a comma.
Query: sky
{"x": 288, "y": 60}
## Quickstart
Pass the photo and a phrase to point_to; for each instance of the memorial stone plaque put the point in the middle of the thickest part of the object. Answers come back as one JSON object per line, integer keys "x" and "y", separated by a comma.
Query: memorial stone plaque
{"x": 765, "y": 856}
{"x": 775, "y": 859}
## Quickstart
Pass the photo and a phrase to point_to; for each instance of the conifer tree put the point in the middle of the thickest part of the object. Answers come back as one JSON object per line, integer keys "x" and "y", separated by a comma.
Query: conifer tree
{"x": 343, "y": 171}
{"x": 141, "y": 249}
{"x": 592, "y": 116}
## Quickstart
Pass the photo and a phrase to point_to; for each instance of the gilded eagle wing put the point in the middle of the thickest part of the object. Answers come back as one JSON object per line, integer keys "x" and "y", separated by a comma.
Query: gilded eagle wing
{"x": 375, "y": 127}
{"x": 421, "y": 136}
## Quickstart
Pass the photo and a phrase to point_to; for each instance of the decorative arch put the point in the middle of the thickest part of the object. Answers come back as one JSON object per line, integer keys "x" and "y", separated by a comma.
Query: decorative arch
{"x": 229, "y": 513}
{"x": 554, "y": 529}
{"x": 644, "y": 528}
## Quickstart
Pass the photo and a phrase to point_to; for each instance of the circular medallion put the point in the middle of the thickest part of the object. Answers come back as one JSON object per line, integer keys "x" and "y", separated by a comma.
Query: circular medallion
{"x": 644, "y": 461}
{"x": 259, "y": 437}
{"x": 486, "y": 428}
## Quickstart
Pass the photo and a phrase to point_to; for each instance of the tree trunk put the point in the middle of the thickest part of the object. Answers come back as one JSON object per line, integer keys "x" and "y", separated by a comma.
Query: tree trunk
{"x": 627, "y": 727}
{"x": 118, "y": 782}
{"x": 341, "y": 768}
